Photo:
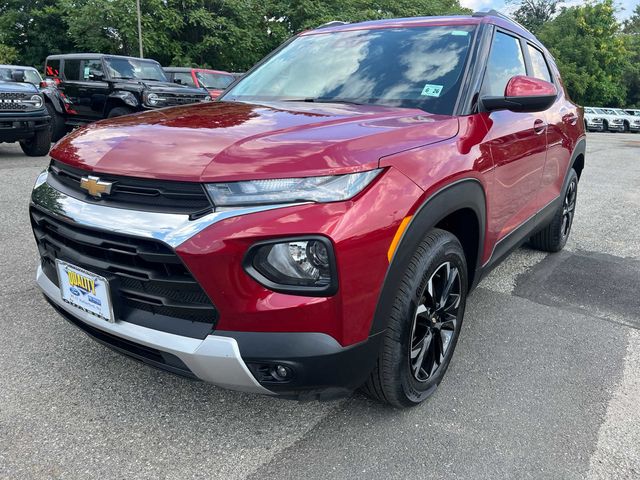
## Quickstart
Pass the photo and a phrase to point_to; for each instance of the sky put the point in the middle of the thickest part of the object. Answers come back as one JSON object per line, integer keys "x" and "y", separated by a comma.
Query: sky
{"x": 478, "y": 5}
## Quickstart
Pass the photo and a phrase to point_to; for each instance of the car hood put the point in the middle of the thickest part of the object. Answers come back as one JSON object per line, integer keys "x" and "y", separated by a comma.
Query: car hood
{"x": 227, "y": 141}
{"x": 160, "y": 87}
{"x": 15, "y": 87}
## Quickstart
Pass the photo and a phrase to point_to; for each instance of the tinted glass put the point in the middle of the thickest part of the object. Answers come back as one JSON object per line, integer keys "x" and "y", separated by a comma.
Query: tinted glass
{"x": 419, "y": 67}
{"x": 505, "y": 61}
{"x": 215, "y": 81}
{"x": 53, "y": 68}
{"x": 72, "y": 69}
{"x": 540, "y": 68}
{"x": 93, "y": 65}
{"x": 134, "y": 68}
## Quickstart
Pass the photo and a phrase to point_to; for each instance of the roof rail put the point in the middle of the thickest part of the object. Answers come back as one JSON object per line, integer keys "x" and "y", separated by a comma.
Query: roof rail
{"x": 332, "y": 23}
{"x": 495, "y": 13}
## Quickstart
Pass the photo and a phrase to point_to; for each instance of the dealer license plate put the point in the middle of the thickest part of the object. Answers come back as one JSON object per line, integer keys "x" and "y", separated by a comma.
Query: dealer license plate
{"x": 85, "y": 290}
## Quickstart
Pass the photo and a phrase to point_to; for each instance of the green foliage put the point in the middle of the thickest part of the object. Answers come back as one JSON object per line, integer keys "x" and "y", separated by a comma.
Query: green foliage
{"x": 591, "y": 54}
{"x": 533, "y": 14}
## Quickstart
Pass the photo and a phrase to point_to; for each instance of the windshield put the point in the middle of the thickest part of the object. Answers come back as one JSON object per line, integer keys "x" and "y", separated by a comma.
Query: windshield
{"x": 30, "y": 76}
{"x": 417, "y": 67}
{"x": 600, "y": 111}
{"x": 134, "y": 68}
{"x": 214, "y": 81}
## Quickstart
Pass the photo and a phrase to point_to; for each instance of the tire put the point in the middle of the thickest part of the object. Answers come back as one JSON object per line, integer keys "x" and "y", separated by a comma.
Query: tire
{"x": 605, "y": 126}
{"x": 625, "y": 128}
{"x": 38, "y": 145}
{"x": 399, "y": 377}
{"x": 56, "y": 124}
{"x": 553, "y": 237}
{"x": 119, "y": 111}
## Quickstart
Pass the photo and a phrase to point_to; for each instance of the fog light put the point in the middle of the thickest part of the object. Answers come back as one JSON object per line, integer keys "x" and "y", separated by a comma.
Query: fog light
{"x": 304, "y": 266}
{"x": 281, "y": 372}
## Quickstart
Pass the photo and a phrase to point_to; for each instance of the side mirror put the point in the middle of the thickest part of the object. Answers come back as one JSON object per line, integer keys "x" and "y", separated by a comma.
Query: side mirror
{"x": 96, "y": 75}
{"x": 18, "y": 76}
{"x": 523, "y": 94}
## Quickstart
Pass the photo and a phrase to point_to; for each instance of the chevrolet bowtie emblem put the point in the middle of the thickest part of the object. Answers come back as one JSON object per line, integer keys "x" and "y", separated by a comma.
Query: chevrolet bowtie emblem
{"x": 95, "y": 187}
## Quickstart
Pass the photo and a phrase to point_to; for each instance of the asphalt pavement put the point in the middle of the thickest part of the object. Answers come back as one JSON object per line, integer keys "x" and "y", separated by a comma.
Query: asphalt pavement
{"x": 545, "y": 382}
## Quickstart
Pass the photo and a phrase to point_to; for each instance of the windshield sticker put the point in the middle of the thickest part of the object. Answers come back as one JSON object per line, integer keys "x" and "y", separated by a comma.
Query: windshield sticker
{"x": 460, "y": 33}
{"x": 431, "y": 90}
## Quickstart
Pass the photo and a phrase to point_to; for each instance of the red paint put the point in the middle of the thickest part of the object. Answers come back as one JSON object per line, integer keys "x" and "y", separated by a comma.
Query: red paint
{"x": 520, "y": 160}
{"x": 522, "y": 86}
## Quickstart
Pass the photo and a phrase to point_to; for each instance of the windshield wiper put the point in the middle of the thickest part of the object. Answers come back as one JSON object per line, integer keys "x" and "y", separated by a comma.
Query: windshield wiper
{"x": 324, "y": 100}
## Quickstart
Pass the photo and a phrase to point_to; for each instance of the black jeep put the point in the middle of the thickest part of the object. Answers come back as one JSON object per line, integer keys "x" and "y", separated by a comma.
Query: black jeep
{"x": 92, "y": 86}
{"x": 23, "y": 116}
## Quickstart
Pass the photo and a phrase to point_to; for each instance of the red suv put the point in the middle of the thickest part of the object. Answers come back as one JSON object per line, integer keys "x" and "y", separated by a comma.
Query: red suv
{"x": 319, "y": 227}
{"x": 214, "y": 81}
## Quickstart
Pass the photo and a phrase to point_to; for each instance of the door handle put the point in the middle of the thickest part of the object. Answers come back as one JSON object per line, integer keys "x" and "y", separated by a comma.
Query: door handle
{"x": 570, "y": 118}
{"x": 539, "y": 126}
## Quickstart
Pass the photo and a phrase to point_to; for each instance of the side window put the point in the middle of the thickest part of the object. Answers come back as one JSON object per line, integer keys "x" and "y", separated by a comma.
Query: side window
{"x": 93, "y": 65}
{"x": 52, "y": 69}
{"x": 183, "y": 78}
{"x": 505, "y": 61}
{"x": 72, "y": 69}
{"x": 539, "y": 64}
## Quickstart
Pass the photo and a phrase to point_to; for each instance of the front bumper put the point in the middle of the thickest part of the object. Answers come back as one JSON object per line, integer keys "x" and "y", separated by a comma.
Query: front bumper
{"x": 215, "y": 359}
{"x": 616, "y": 127}
{"x": 16, "y": 126}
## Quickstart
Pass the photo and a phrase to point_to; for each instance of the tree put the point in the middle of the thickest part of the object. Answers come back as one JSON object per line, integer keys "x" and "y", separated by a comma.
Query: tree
{"x": 590, "y": 53}
{"x": 533, "y": 14}
{"x": 632, "y": 72}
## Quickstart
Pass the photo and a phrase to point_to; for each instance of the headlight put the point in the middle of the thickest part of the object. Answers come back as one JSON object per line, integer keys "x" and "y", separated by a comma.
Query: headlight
{"x": 35, "y": 101}
{"x": 302, "y": 266}
{"x": 308, "y": 189}
{"x": 153, "y": 99}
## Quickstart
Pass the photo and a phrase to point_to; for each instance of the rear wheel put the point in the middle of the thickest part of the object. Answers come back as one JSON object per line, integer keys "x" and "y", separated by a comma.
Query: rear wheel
{"x": 119, "y": 111}
{"x": 554, "y": 236}
{"x": 38, "y": 145}
{"x": 424, "y": 325}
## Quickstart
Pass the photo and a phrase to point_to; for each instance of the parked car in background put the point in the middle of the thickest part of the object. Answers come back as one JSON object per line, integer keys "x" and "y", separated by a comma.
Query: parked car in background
{"x": 593, "y": 122}
{"x": 631, "y": 122}
{"x": 23, "y": 116}
{"x": 319, "y": 227}
{"x": 612, "y": 122}
{"x": 214, "y": 81}
{"x": 92, "y": 86}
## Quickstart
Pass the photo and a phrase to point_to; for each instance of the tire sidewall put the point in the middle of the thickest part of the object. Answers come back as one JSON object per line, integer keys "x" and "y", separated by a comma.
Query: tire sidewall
{"x": 448, "y": 249}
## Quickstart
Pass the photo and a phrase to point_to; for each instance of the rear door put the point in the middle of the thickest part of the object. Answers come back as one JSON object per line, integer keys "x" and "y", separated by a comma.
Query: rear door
{"x": 517, "y": 141}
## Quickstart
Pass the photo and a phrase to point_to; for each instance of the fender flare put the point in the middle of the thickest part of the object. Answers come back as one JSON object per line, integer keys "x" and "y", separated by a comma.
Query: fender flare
{"x": 579, "y": 149}
{"x": 53, "y": 97}
{"x": 128, "y": 98}
{"x": 467, "y": 193}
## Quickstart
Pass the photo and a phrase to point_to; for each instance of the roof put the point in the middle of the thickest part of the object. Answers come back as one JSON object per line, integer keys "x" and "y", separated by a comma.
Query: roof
{"x": 492, "y": 17}
{"x": 94, "y": 55}
{"x": 22, "y": 67}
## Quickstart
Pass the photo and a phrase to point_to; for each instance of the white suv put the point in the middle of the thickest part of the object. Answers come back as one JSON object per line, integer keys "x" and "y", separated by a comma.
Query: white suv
{"x": 611, "y": 121}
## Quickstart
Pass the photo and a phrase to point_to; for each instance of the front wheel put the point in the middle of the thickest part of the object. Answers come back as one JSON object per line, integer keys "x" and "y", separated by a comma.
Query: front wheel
{"x": 56, "y": 123}
{"x": 38, "y": 145}
{"x": 424, "y": 325}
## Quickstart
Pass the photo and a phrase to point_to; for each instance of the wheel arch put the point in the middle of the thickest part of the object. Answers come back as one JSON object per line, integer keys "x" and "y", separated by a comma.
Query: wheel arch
{"x": 120, "y": 98}
{"x": 577, "y": 158}
{"x": 459, "y": 208}
{"x": 54, "y": 99}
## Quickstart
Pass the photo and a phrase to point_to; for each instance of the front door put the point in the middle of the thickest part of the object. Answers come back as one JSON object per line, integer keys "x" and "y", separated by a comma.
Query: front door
{"x": 517, "y": 142}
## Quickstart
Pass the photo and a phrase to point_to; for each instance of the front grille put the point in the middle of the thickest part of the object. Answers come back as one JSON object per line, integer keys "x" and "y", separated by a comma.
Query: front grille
{"x": 134, "y": 193}
{"x": 183, "y": 99}
{"x": 150, "y": 285}
{"x": 13, "y": 101}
